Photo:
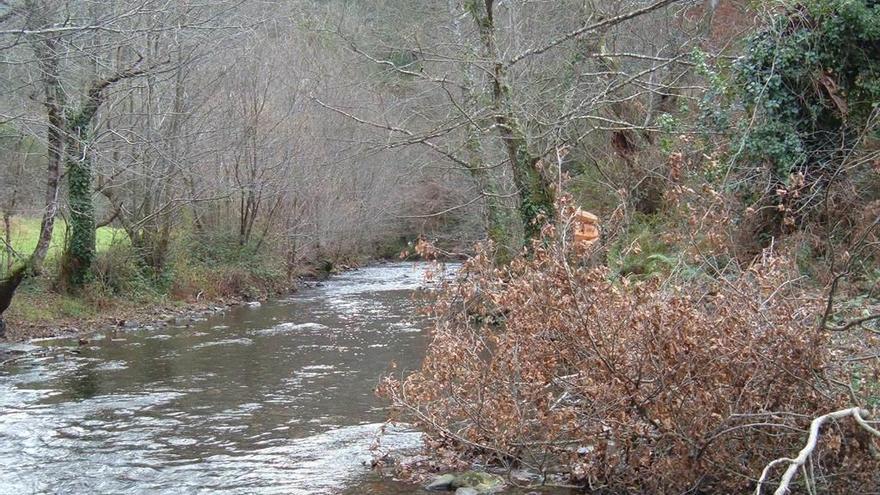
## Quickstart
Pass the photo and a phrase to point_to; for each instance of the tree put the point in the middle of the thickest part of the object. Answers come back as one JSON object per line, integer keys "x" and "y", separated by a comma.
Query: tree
{"x": 500, "y": 125}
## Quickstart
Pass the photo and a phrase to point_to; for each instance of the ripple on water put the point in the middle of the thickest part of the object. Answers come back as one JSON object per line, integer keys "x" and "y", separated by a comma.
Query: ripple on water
{"x": 241, "y": 341}
{"x": 313, "y": 465}
{"x": 112, "y": 366}
{"x": 404, "y": 327}
{"x": 288, "y": 327}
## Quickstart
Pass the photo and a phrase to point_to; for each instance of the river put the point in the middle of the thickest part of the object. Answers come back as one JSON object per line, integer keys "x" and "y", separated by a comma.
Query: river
{"x": 275, "y": 399}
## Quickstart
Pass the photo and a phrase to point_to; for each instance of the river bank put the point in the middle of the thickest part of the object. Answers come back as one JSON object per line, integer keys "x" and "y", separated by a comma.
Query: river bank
{"x": 38, "y": 311}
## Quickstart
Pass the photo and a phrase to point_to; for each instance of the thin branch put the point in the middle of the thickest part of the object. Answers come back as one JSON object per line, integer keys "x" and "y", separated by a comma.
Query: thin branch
{"x": 613, "y": 21}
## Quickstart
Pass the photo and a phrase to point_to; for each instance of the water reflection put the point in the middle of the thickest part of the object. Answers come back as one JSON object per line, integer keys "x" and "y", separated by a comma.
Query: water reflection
{"x": 83, "y": 384}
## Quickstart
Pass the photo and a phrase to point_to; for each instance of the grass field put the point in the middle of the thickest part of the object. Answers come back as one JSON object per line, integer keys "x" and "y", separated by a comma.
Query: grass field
{"x": 25, "y": 232}
{"x": 36, "y": 302}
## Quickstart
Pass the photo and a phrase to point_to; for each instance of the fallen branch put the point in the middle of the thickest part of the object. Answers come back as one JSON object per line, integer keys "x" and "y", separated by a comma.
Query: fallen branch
{"x": 812, "y": 441}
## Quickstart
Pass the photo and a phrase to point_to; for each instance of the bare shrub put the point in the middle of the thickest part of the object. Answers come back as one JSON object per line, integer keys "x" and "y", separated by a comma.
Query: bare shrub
{"x": 646, "y": 387}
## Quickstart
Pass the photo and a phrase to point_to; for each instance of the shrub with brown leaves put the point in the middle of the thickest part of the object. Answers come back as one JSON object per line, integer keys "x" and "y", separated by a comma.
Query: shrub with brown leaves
{"x": 648, "y": 387}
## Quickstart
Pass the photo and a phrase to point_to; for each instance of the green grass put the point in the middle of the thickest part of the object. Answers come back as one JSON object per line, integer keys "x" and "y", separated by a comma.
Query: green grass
{"x": 216, "y": 269}
{"x": 26, "y": 231}
{"x": 35, "y": 303}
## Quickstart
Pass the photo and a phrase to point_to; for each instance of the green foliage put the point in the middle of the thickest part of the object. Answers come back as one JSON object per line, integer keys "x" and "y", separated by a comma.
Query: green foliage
{"x": 536, "y": 200}
{"x": 118, "y": 272}
{"x": 26, "y": 231}
{"x": 668, "y": 125}
{"x": 812, "y": 78}
{"x": 213, "y": 263}
{"x": 642, "y": 252}
{"x": 36, "y": 303}
{"x": 80, "y": 251}
{"x": 714, "y": 108}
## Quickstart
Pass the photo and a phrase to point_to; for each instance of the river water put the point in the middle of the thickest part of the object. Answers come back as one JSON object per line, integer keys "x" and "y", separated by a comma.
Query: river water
{"x": 275, "y": 399}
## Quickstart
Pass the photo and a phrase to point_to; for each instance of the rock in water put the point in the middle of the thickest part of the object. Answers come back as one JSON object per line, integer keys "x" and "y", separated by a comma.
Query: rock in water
{"x": 467, "y": 483}
{"x": 253, "y": 304}
{"x": 481, "y": 482}
{"x": 441, "y": 483}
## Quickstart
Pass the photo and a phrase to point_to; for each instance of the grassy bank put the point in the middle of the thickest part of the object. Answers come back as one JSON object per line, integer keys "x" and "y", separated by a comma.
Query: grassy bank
{"x": 200, "y": 273}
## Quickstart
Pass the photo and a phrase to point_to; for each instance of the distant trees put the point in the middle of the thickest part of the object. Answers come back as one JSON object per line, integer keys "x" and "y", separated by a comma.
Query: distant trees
{"x": 514, "y": 95}
{"x": 321, "y": 129}
{"x": 192, "y": 123}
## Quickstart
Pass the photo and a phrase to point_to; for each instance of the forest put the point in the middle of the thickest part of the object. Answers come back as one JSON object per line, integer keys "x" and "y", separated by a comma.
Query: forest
{"x": 666, "y": 213}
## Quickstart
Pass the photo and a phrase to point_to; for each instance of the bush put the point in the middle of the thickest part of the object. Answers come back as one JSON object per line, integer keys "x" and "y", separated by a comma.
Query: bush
{"x": 117, "y": 271}
{"x": 811, "y": 81}
{"x": 212, "y": 266}
{"x": 627, "y": 386}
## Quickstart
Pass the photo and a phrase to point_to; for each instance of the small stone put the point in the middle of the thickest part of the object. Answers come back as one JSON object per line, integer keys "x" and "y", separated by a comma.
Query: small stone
{"x": 467, "y": 491}
{"x": 253, "y": 304}
{"x": 441, "y": 483}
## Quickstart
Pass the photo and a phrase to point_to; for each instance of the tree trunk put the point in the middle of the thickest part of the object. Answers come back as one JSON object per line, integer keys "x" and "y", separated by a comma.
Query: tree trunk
{"x": 7, "y": 234}
{"x": 536, "y": 195}
{"x": 54, "y": 104}
{"x": 45, "y": 50}
{"x": 7, "y": 290}
{"x": 80, "y": 250}
{"x": 496, "y": 219}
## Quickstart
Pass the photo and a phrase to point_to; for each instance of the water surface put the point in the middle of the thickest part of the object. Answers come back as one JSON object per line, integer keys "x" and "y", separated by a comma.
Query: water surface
{"x": 276, "y": 399}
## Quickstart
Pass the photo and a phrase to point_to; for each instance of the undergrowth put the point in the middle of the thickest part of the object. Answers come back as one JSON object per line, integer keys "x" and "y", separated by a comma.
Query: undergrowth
{"x": 559, "y": 365}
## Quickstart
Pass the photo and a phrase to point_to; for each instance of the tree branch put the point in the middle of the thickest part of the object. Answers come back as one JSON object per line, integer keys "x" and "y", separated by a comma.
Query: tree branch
{"x": 812, "y": 441}
{"x": 613, "y": 21}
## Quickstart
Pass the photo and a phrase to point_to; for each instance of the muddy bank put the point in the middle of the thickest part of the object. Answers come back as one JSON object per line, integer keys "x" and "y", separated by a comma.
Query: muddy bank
{"x": 148, "y": 316}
